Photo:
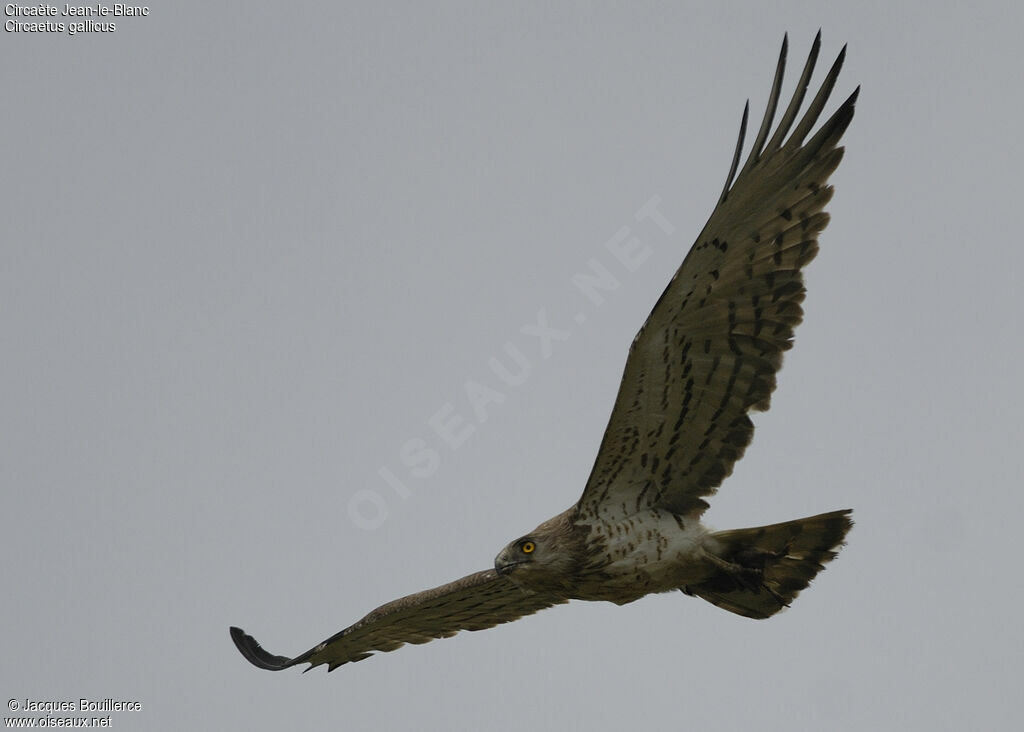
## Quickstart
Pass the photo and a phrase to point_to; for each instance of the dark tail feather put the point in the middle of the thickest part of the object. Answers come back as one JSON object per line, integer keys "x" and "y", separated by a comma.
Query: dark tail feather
{"x": 763, "y": 569}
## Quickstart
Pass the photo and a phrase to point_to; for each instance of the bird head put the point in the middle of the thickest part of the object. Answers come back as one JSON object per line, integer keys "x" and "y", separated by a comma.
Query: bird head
{"x": 546, "y": 559}
{"x": 518, "y": 556}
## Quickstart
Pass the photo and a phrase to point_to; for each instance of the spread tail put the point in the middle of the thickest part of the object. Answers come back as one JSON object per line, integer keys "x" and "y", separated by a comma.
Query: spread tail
{"x": 763, "y": 569}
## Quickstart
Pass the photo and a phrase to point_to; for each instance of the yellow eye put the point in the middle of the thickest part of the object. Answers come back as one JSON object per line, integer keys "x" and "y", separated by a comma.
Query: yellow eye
{"x": 527, "y": 547}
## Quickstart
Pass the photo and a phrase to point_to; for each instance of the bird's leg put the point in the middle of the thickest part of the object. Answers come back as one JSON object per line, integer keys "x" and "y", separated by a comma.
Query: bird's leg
{"x": 744, "y": 577}
{"x": 747, "y": 573}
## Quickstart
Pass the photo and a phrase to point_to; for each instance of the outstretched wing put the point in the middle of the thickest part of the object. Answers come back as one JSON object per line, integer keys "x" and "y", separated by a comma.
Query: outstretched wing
{"x": 709, "y": 351}
{"x": 475, "y": 602}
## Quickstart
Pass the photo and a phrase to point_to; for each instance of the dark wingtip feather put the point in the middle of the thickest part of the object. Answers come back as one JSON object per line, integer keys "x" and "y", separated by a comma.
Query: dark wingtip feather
{"x": 820, "y": 99}
{"x": 769, "y": 112}
{"x": 255, "y": 654}
{"x": 840, "y": 59}
{"x": 736, "y": 154}
{"x": 833, "y": 129}
{"x": 789, "y": 116}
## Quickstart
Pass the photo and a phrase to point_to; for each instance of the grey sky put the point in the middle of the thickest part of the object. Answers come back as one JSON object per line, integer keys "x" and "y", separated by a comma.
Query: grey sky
{"x": 249, "y": 249}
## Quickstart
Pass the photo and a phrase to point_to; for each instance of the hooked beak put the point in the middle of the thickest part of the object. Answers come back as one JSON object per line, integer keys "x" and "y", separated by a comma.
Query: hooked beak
{"x": 503, "y": 564}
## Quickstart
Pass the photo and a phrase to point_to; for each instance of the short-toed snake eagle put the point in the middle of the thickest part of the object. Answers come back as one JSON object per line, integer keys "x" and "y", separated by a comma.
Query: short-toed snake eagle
{"x": 705, "y": 358}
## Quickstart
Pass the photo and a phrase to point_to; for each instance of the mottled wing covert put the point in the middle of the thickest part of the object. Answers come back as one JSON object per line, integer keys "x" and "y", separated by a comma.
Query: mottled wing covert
{"x": 709, "y": 351}
{"x": 478, "y": 601}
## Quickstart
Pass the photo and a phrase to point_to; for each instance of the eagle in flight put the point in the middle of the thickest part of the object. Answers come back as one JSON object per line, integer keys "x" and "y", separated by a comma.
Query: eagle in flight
{"x": 706, "y": 357}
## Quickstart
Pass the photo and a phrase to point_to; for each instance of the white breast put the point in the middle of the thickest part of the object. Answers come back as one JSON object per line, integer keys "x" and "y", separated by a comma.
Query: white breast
{"x": 651, "y": 551}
